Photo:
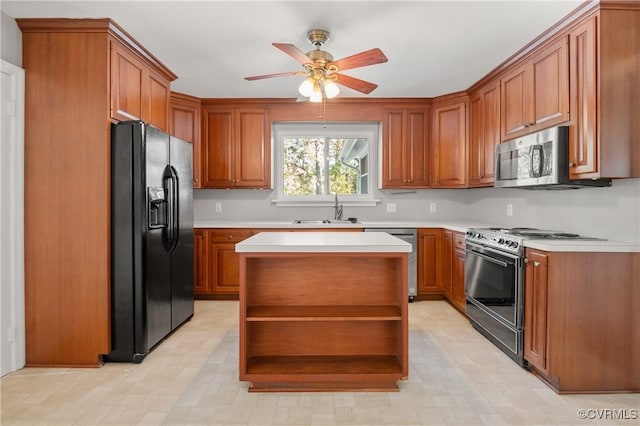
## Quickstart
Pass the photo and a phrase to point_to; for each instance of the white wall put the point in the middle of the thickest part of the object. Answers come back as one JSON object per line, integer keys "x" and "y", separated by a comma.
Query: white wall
{"x": 11, "y": 45}
{"x": 611, "y": 213}
{"x": 12, "y": 337}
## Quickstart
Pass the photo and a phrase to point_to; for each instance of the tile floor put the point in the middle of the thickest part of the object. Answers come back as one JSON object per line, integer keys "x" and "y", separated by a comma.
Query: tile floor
{"x": 456, "y": 377}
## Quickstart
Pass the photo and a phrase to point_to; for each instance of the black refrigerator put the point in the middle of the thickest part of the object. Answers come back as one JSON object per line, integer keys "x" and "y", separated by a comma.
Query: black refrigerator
{"x": 151, "y": 238}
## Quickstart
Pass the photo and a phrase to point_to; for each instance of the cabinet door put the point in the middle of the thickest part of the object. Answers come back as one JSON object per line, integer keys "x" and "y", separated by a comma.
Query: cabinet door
{"x": 216, "y": 148}
{"x": 224, "y": 262}
{"x": 224, "y": 267}
{"x": 476, "y": 138}
{"x": 535, "y": 309}
{"x": 185, "y": 125}
{"x": 201, "y": 262}
{"x": 157, "y": 101}
{"x": 583, "y": 138}
{"x": 457, "y": 273}
{"x": 449, "y": 146}
{"x": 429, "y": 241}
{"x": 127, "y": 84}
{"x": 445, "y": 263}
{"x": 417, "y": 149}
{"x": 394, "y": 174}
{"x": 516, "y": 102}
{"x": 252, "y": 148}
{"x": 551, "y": 85}
{"x": 484, "y": 135}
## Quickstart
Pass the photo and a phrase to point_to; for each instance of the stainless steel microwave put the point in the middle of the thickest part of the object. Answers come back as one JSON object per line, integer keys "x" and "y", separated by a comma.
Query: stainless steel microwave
{"x": 538, "y": 161}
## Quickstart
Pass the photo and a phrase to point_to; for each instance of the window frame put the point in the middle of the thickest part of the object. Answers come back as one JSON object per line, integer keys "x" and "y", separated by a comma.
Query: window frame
{"x": 368, "y": 129}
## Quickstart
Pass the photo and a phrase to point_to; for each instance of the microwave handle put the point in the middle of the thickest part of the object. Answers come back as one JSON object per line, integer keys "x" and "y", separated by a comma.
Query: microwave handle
{"x": 540, "y": 161}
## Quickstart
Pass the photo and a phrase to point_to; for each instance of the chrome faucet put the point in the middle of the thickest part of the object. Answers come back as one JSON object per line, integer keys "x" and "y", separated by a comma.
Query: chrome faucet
{"x": 337, "y": 209}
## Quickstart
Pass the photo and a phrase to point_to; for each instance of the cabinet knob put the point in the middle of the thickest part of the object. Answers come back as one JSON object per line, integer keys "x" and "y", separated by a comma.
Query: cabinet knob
{"x": 572, "y": 164}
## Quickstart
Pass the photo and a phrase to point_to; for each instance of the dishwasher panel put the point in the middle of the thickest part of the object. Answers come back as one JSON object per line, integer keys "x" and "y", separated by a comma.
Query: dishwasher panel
{"x": 409, "y": 235}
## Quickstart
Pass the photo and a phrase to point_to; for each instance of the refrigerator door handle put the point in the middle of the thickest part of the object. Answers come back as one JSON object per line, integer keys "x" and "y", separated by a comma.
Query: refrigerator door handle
{"x": 171, "y": 183}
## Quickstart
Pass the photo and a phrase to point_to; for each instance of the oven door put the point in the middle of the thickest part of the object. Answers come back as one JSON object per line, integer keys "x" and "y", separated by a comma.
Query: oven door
{"x": 493, "y": 282}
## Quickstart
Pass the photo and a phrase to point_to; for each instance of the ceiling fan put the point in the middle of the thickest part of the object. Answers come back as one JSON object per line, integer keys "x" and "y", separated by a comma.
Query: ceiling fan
{"x": 323, "y": 73}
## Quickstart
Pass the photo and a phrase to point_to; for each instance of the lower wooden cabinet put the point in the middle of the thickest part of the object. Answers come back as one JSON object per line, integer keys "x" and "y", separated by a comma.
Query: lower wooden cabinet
{"x": 201, "y": 250}
{"x": 441, "y": 255}
{"x": 580, "y": 311}
{"x": 216, "y": 263}
{"x": 458, "y": 298}
{"x": 535, "y": 299}
{"x": 429, "y": 242}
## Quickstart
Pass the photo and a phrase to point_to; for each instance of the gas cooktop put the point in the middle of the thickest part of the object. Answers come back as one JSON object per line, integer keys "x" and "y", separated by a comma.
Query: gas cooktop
{"x": 539, "y": 233}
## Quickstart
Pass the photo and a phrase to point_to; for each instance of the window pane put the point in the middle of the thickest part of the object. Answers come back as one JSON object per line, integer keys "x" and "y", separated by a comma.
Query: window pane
{"x": 304, "y": 160}
{"x": 345, "y": 168}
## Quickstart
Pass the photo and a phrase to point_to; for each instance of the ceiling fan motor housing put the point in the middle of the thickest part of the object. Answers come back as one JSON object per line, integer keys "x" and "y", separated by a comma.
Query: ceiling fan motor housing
{"x": 318, "y": 37}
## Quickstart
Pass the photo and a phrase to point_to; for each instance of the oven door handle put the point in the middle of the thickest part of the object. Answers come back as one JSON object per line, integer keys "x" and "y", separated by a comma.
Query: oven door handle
{"x": 490, "y": 259}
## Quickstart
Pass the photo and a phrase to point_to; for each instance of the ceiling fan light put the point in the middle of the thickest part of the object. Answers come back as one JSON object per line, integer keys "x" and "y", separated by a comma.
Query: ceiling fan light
{"x": 331, "y": 89}
{"x": 306, "y": 87}
{"x": 316, "y": 96}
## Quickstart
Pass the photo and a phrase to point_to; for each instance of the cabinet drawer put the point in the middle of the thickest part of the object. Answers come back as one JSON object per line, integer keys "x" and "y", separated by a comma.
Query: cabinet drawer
{"x": 230, "y": 235}
{"x": 459, "y": 241}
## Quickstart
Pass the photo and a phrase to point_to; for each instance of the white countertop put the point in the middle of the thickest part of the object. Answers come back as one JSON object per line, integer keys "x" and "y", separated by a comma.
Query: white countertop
{"x": 323, "y": 242}
{"x": 600, "y": 246}
{"x": 458, "y": 226}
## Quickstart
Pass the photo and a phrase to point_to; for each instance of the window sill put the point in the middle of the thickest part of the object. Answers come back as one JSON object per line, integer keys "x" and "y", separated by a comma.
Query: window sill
{"x": 319, "y": 203}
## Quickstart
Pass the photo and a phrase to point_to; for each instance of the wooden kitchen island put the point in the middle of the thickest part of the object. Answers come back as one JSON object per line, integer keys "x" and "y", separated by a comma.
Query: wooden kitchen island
{"x": 323, "y": 311}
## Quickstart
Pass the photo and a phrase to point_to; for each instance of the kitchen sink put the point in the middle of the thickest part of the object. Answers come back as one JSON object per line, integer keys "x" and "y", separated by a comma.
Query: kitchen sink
{"x": 324, "y": 221}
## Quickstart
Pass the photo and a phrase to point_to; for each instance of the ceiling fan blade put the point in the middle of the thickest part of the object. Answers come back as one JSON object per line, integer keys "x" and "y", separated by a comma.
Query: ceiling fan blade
{"x": 362, "y": 59}
{"x": 355, "y": 83}
{"x": 278, "y": 74}
{"x": 294, "y": 52}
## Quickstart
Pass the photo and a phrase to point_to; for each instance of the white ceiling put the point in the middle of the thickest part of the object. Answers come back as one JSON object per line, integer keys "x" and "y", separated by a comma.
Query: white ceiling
{"x": 434, "y": 47}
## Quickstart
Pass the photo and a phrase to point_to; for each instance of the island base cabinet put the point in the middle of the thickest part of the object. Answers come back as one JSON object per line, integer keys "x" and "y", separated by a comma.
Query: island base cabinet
{"x": 323, "y": 321}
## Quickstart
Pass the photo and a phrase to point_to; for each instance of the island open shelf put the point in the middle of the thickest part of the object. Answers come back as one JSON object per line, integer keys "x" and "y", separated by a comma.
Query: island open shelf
{"x": 320, "y": 320}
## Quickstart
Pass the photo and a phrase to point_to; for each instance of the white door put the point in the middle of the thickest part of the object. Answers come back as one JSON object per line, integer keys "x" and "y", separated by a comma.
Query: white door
{"x": 12, "y": 340}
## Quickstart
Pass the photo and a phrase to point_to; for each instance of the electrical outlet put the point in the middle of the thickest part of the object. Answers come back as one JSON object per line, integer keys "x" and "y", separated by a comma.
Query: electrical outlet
{"x": 391, "y": 207}
{"x": 509, "y": 209}
{"x": 218, "y": 207}
{"x": 432, "y": 207}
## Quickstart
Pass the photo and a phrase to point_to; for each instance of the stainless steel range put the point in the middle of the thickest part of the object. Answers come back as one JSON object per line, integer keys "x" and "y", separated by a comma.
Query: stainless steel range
{"x": 494, "y": 282}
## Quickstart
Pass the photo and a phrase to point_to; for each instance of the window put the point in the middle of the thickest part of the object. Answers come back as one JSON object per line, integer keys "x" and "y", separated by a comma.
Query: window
{"x": 315, "y": 161}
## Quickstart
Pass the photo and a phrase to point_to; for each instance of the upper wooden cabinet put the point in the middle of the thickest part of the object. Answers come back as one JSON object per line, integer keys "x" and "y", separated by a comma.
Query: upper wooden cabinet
{"x": 405, "y": 159}
{"x": 535, "y": 95}
{"x": 484, "y": 133}
{"x": 138, "y": 92}
{"x": 605, "y": 132}
{"x": 185, "y": 125}
{"x": 236, "y": 149}
{"x": 449, "y": 143}
{"x": 75, "y": 69}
